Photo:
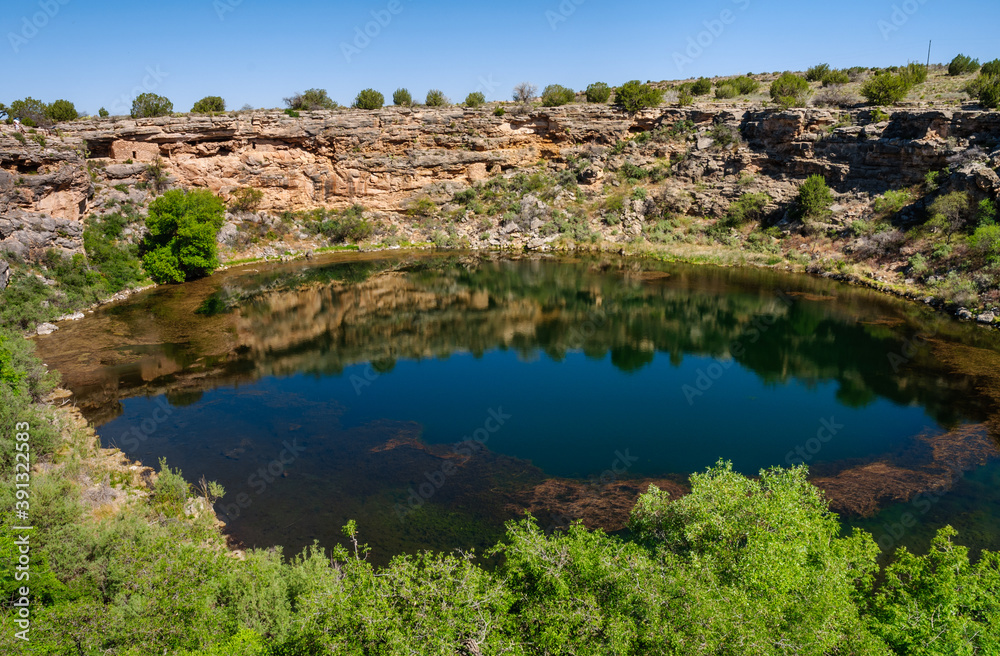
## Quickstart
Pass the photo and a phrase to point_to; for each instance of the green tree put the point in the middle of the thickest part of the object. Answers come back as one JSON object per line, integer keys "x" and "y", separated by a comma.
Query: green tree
{"x": 701, "y": 87}
{"x": 790, "y": 90}
{"x": 991, "y": 68}
{"x": 814, "y": 198}
{"x": 183, "y": 227}
{"x": 29, "y": 111}
{"x": 209, "y": 105}
{"x": 369, "y": 99}
{"x": 61, "y": 110}
{"x": 817, "y": 72}
{"x": 150, "y": 105}
{"x": 475, "y": 99}
{"x": 598, "y": 92}
{"x": 103, "y": 113}
{"x": 556, "y": 95}
{"x": 634, "y": 95}
{"x": 436, "y": 98}
{"x": 402, "y": 98}
{"x": 312, "y": 99}
{"x": 963, "y": 65}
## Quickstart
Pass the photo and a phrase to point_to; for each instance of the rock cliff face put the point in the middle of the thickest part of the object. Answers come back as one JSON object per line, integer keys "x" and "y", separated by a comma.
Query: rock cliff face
{"x": 387, "y": 158}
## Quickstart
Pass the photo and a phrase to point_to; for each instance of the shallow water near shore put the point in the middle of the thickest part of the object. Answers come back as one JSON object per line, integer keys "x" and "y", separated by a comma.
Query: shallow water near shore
{"x": 434, "y": 397}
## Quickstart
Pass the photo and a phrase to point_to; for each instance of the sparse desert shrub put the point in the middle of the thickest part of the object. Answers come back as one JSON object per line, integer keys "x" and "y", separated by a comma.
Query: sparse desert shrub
{"x": 634, "y": 95}
{"x": 790, "y": 90}
{"x": 892, "y": 202}
{"x": 989, "y": 93}
{"x": 745, "y": 85}
{"x": 369, "y": 99}
{"x": 880, "y": 244}
{"x": 525, "y": 92}
{"x": 402, "y": 97}
{"x": 914, "y": 74}
{"x": 245, "y": 199}
{"x": 963, "y": 65}
{"x": 835, "y": 96}
{"x": 422, "y": 206}
{"x": 724, "y": 135}
{"x": 951, "y": 212}
{"x": 349, "y": 226}
{"x": 984, "y": 244}
{"x": 556, "y": 95}
{"x": 61, "y": 110}
{"x": 749, "y": 208}
{"x": 684, "y": 98}
{"x": 701, "y": 87}
{"x": 436, "y": 98}
{"x": 103, "y": 113}
{"x": 991, "y": 68}
{"x": 885, "y": 89}
{"x": 311, "y": 100}
{"x": 150, "y": 105}
{"x": 499, "y": 111}
{"x": 475, "y": 99}
{"x": 836, "y": 77}
{"x": 598, "y": 92}
{"x": 817, "y": 72}
{"x": 208, "y": 105}
{"x": 725, "y": 91}
{"x": 814, "y": 199}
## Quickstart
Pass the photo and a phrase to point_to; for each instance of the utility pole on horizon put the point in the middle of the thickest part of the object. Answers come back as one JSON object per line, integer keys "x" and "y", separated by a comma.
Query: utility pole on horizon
{"x": 929, "y": 53}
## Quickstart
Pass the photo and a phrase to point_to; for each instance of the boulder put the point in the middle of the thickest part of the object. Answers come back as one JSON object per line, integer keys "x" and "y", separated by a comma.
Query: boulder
{"x": 46, "y": 329}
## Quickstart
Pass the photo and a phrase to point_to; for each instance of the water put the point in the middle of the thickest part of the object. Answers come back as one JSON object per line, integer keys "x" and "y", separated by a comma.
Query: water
{"x": 432, "y": 398}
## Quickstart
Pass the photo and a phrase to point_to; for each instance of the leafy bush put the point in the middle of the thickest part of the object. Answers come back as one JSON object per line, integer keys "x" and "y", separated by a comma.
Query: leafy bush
{"x": 724, "y": 135}
{"x": 989, "y": 93}
{"x": 991, "y": 69}
{"x": 598, "y": 92}
{"x": 835, "y": 96}
{"x": 524, "y": 92}
{"x": 115, "y": 259}
{"x": 726, "y": 90}
{"x": 436, "y": 98}
{"x": 836, "y": 77}
{"x": 790, "y": 90}
{"x": 892, "y": 202}
{"x": 181, "y": 244}
{"x": 951, "y": 212}
{"x": 245, "y": 199}
{"x": 914, "y": 74}
{"x": 885, "y": 89}
{"x": 985, "y": 243}
{"x": 209, "y": 105}
{"x": 61, "y": 110}
{"x": 170, "y": 488}
{"x": 369, "y": 99}
{"x": 745, "y": 85}
{"x": 499, "y": 111}
{"x": 556, "y": 95}
{"x": 814, "y": 199}
{"x": 349, "y": 226}
{"x": 633, "y": 96}
{"x": 749, "y": 208}
{"x": 818, "y": 72}
{"x": 29, "y": 111}
{"x": 701, "y": 87}
{"x": 475, "y": 99}
{"x": 402, "y": 97}
{"x": 150, "y": 105}
{"x": 103, "y": 113}
{"x": 963, "y": 65}
{"x": 312, "y": 99}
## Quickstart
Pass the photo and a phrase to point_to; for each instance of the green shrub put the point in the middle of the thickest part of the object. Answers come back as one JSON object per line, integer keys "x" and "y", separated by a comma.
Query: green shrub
{"x": 61, "y": 110}
{"x": 685, "y": 99}
{"x": 29, "y": 111}
{"x": 349, "y": 226}
{"x": 701, "y": 87}
{"x": 892, "y": 202}
{"x": 422, "y": 206}
{"x": 951, "y": 212}
{"x": 878, "y": 116}
{"x": 170, "y": 488}
{"x": 436, "y": 98}
{"x": 369, "y": 99}
{"x": 991, "y": 69}
{"x": 818, "y": 72}
{"x": 115, "y": 259}
{"x": 744, "y": 85}
{"x": 181, "y": 244}
{"x": 726, "y": 90}
{"x": 749, "y": 208}
{"x": 989, "y": 93}
{"x": 245, "y": 199}
{"x": 402, "y": 97}
{"x": 311, "y": 100}
{"x": 598, "y": 92}
{"x": 499, "y": 111}
{"x": 985, "y": 243}
{"x": 209, "y": 105}
{"x": 150, "y": 105}
{"x": 724, "y": 135}
{"x": 790, "y": 90}
{"x": 475, "y": 99}
{"x": 914, "y": 74}
{"x": 885, "y": 89}
{"x": 633, "y": 96}
{"x": 291, "y": 112}
{"x": 963, "y": 65}
{"x": 556, "y": 95}
{"x": 836, "y": 77}
{"x": 103, "y": 113}
{"x": 814, "y": 199}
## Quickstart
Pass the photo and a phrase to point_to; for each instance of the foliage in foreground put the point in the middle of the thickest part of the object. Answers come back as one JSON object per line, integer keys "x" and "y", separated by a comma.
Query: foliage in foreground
{"x": 181, "y": 244}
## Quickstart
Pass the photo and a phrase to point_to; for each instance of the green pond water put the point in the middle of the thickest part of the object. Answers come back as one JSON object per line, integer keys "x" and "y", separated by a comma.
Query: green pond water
{"x": 433, "y": 398}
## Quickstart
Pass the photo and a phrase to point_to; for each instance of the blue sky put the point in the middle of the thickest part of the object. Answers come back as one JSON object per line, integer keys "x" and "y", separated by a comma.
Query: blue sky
{"x": 102, "y": 52}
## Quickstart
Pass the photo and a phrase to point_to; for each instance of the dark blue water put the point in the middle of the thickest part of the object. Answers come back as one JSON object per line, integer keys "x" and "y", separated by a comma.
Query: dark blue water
{"x": 321, "y": 393}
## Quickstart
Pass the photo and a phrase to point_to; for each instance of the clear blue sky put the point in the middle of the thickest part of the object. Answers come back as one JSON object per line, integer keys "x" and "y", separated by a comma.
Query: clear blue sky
{"x": 102, "y": 52}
